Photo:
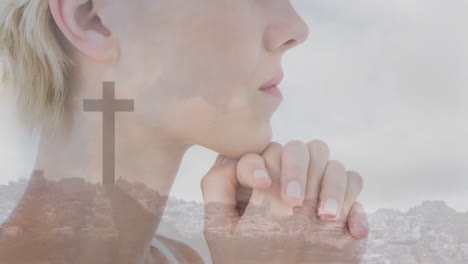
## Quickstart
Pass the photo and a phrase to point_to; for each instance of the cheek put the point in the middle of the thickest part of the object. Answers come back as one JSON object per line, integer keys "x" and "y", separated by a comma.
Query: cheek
{"x": 197, "y": 116}
{"x": 203, "y": 51}
{"x": 217, "y": 53}
{"x": 195, "y": 80}
{"x": 232, "y": 128}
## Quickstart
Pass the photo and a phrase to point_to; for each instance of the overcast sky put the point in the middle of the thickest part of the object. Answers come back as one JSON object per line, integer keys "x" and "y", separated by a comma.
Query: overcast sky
{"x": 383, "y": 82}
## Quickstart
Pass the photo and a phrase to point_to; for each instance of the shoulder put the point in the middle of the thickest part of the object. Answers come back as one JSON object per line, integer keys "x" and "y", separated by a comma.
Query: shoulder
{"x": 183, "y": 252}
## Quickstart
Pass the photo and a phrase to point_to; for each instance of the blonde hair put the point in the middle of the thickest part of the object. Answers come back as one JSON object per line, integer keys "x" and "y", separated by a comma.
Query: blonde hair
{"x": 36, "y": 65}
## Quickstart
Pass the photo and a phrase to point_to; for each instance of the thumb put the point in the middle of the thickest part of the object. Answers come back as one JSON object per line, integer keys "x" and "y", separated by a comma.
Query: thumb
{"x": 219, "y": 194}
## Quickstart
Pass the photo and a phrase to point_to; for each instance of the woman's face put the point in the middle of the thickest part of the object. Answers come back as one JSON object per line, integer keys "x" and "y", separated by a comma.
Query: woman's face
{"x": 194, "y": 67}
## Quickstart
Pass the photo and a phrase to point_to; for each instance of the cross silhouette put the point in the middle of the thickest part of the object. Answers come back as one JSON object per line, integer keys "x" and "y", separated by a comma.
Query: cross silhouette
{"x": 108, "y": 106}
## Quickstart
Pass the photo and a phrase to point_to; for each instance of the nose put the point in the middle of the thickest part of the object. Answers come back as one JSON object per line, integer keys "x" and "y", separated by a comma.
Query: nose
{"x": 286, "y": 31}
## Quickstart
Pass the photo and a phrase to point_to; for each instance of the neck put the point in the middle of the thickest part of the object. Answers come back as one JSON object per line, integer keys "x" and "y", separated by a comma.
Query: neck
{"x": 146, "y": 162}
{"x": 142, "y": 151}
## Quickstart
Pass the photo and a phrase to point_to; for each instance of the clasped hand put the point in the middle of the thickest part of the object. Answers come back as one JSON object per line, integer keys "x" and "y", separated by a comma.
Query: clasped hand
{"x": 290, "y": 204}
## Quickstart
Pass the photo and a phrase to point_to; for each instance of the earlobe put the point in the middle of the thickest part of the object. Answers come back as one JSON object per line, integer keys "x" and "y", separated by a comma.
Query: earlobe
{"x": 82, "y": 25}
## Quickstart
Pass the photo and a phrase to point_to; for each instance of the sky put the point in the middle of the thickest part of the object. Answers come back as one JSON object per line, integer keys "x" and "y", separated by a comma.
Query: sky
{"x": 381, "y": 81}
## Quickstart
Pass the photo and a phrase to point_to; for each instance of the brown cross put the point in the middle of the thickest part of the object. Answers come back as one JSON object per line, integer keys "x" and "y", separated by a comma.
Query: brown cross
{"x": 108, "y": 106}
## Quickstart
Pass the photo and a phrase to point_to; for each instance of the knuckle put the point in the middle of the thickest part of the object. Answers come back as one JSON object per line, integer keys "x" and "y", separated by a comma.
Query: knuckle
{"x": 205, "y": 181}
{"x": 334, "y": 164}
{"x": 273, "y": 150}
{"x": 273, "y": 147}
{"x": 295, "y": 152}
{"x": 295, "y": 142}
{"x": 250, "y": 156}
{"x": 272, "y": 156}
{"x": 276, "y": 144}
{"x": 319, "y": 147}
{"x": 248, "y": 160}
{"x": 357, "y": 206}
{"x": 354, "y": 176}
{"x": 358, "y": 211}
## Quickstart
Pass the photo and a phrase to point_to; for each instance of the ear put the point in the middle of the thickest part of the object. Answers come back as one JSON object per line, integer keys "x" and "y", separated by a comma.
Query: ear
{"x": 80, "y": 22}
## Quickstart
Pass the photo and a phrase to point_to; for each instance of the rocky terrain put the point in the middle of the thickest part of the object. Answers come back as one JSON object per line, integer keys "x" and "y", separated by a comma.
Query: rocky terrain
{"x": 427, "y": 233}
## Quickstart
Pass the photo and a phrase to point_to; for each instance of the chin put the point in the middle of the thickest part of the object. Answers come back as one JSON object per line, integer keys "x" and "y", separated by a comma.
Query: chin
{"x": 238, "y": 144}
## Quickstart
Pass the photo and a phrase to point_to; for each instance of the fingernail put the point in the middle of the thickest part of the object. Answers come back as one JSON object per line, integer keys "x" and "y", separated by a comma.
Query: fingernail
{"x": 329, "y": 209}
{"x": 261, "y": 174}
{"x": 294, "y": 190}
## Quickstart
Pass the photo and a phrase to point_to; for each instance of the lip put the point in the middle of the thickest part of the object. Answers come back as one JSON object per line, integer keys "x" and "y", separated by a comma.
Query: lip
{"x": 273, "y": 90}
{"x": 273, "y": 82}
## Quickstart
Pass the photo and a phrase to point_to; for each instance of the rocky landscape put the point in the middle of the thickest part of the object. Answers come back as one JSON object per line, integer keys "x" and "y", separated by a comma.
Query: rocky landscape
{"x": 430, "y": 232}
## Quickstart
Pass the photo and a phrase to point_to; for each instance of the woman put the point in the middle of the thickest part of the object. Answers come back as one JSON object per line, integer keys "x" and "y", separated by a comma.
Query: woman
{"x": 121, "y": 90}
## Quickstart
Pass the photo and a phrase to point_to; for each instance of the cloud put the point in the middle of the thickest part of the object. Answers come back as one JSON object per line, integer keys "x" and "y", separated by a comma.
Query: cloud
{"x": 383, "y": 82}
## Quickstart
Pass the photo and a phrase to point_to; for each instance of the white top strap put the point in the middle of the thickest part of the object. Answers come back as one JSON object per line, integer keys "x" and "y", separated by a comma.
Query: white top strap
{"x": 165, "y": 250}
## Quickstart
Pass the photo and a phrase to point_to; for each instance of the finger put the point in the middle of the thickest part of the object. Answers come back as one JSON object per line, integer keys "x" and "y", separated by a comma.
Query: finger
{"x": 219, "y": 184}
{"x": 270, "y": 198}
{"x": 272, "y": 160}
{"x": 319, "y": 154}
{"x": 219, "y": 193}
{"x": 357, "y": 222}
{"x": 333, "y": 190}
{"x": 243, "y": 196}
{"x": 294, "y": 167}
{"x": 353, "y": 189}
{"x": 252, "y": 173}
